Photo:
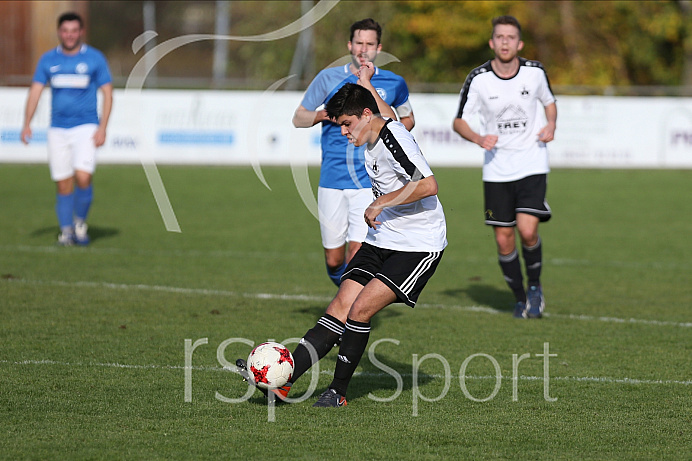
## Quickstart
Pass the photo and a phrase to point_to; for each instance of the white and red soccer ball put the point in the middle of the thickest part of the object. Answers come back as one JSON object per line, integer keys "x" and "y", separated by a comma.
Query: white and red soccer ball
{"x": 270, "y": 365}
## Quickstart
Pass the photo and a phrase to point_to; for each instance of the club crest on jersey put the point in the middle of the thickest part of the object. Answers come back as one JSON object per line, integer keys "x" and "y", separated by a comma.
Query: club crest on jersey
{"x": 524, "y": 92}
{"x": 382, "y": 92}
{"x": 82, "y": 68}
{"x": 375, "y": 168}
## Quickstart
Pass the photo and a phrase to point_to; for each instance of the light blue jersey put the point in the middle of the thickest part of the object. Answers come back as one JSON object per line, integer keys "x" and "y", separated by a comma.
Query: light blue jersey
{"x": 343, "y": 164}
{"x": 74, "y": 81}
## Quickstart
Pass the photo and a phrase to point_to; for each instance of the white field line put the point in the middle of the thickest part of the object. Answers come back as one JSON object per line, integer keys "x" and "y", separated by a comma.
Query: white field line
{"x": 326, "y": 299}
{"x": 593, "y": 379}
{"x": 660, "y": 265}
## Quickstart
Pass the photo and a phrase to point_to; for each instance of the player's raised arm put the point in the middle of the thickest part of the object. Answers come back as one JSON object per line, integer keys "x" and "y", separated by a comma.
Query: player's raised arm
{"x": 365, "y": 73}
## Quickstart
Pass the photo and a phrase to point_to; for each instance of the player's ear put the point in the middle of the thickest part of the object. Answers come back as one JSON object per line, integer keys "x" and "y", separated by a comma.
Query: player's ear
{"x": 521, "y": 45}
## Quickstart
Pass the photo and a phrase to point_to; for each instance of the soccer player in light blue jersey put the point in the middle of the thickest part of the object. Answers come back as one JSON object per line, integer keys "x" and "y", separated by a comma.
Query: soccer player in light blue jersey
{"x": 75, "y": 72}
{"x": 344, "y": 188}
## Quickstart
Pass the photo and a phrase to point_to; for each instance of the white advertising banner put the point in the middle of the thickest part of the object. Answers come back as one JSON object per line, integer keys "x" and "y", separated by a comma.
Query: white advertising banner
{"x": 254, "y": 128}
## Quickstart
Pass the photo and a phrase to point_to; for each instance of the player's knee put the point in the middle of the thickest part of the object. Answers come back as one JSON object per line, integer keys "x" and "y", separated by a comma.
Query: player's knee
{"x": 529, "y": 237}
{"x": 334, "y": 259}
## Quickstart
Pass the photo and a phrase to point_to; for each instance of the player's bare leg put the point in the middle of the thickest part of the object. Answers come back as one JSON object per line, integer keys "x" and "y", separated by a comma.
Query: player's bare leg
{"x": 374, "y": 297}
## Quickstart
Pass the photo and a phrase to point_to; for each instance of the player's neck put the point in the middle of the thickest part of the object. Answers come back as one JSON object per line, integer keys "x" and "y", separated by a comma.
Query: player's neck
{"x": 375, "y": 127}
{"x": 72, "y": 51}
{"x": 505, "y": 69}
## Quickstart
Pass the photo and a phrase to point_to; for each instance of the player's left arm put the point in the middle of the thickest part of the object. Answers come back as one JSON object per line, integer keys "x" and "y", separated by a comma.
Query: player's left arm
{"x": 411, "y": 192}
{"x": 100, "y": 135}
{"x": 364, "y": 74}
{"x": 547, "y": 134}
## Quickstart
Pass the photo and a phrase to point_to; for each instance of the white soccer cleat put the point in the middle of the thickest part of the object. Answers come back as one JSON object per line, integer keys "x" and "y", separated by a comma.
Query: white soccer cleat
{"x": 80, "y": 233}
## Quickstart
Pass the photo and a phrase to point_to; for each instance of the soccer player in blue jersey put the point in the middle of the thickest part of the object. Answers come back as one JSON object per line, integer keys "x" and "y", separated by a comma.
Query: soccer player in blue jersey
{"x": 75, "y": 72}
{"x": 344, "y": 188}
{"x": 507, "y": 92}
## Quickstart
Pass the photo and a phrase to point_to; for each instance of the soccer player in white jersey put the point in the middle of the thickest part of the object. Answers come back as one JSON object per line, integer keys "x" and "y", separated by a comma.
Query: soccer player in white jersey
{"x": 506, "y": 91}
{"x": 76, "y": 72}
{"x": 406, "y": 237}
{"x": 343, "y": 191}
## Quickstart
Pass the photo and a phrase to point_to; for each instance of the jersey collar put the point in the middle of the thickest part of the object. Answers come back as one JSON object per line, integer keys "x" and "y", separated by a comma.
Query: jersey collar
{"x": 82, "y": 49}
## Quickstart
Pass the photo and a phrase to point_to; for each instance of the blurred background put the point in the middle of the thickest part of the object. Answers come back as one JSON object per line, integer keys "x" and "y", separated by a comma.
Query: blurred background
{"x": 634, "y": 48}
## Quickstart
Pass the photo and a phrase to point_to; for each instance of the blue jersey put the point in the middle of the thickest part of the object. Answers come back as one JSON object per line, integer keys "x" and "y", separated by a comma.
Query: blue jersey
{"x": 343, "y": 165}
{"x": 74, "y": 81}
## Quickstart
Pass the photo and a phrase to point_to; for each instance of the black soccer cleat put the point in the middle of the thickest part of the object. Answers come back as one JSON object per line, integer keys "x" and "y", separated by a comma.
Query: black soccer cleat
{"x": 330, "y": 399}
{"x": 242, "y": 369}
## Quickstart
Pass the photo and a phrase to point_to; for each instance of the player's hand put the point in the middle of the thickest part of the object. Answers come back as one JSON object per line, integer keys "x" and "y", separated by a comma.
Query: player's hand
{"x": 321, "y": 116}
{"x": 26, "y": 135}
{"x": 99, "y": 137}
{"x": 547, "y": 134}
{"x": 371, "y": 214}
{"x": 487, "y": 142}
{"x": 365, "y": 73}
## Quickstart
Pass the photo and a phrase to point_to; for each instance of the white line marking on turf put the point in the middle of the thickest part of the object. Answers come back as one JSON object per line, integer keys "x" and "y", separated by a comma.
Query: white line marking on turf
{"x": 368, "y": 374}
{"x": 326, "y": 299}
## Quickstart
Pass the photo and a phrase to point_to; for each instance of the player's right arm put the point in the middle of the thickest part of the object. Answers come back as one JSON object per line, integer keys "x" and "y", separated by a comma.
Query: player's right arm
{"x": 304, "y": 118}
{"x": 487, "y": 142}
{"x": 31, "y": 105}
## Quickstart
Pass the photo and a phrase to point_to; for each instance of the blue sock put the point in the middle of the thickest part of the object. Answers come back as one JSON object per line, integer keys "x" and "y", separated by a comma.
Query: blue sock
{"x": 82, "y": 201}
{"x": 336, "y": 274}
{"x": 64, "y": 208}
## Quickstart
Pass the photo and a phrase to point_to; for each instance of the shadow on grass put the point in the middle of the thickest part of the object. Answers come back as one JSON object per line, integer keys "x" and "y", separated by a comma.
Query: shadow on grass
{"x": 368, "y": 379}
{"x": 485, "y": 295}
{"x": 95, "y": 232}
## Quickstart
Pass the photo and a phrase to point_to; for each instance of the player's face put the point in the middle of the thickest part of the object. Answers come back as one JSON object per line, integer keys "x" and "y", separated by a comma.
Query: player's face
{"x": 70, "y": 35}
{"x": 364, "y": 47}
{"x": 505, "y": 42}
{"x": 355, "y": 128}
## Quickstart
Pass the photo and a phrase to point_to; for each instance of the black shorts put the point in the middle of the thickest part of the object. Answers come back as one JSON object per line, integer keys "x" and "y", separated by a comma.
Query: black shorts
{"x": 404, "y": 272}
{"x": 503, "y": 200}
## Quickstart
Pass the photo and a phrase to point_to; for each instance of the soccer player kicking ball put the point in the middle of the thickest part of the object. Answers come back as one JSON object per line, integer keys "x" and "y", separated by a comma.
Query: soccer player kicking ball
{"x": 405, "y": 241}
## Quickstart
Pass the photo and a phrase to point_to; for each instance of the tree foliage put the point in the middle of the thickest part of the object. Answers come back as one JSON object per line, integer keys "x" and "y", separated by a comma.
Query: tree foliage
{"x": 602, "y": 43}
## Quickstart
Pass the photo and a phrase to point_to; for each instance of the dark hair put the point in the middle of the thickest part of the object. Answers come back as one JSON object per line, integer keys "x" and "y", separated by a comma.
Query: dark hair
{"x": 351, "y": 99}
{"x": 366, "y": 24}
{"x": 70, "y": 17}
{"x": 507, "y": 20}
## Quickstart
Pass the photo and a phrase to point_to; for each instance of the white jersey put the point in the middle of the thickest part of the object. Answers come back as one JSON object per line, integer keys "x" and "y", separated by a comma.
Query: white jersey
{"x": 394, "y": 161}
{"x": 508, "y": 108}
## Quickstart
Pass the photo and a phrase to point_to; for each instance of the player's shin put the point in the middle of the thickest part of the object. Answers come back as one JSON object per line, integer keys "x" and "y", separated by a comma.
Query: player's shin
{"x": 321, "y": 338}
{"x": 353, "y": 345}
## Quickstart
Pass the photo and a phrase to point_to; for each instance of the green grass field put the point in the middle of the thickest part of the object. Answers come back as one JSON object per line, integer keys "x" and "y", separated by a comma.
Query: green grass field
{"x": 93, "y": 339}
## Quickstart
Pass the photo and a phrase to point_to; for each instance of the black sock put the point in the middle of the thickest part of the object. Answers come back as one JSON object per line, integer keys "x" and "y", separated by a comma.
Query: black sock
{"x": 511, "y": 269}
{"x": 322, "y": 337}
{"x": 353, "y": 345}
{"x": 533, "y": 260}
